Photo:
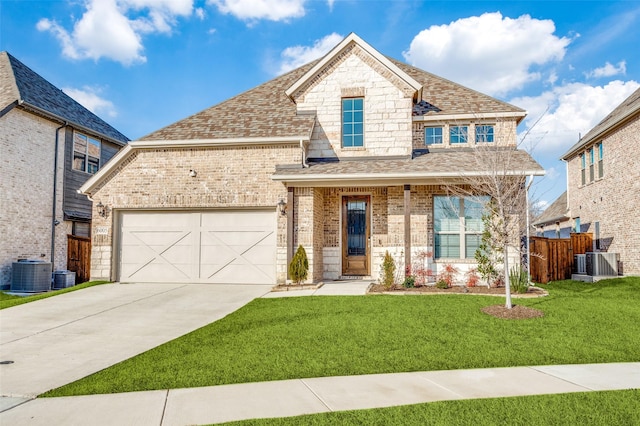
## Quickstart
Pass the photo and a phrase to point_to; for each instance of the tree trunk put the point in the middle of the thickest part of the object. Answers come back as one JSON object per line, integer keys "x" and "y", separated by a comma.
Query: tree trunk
{"x": 507, "y": 282}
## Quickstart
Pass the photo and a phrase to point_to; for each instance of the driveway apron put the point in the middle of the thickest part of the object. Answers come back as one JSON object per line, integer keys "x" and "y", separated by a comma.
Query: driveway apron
{"x": 61, "y": 339}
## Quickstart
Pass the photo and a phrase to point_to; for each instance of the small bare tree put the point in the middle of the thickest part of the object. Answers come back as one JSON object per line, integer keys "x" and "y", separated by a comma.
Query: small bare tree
{"x": 499, "y": 171}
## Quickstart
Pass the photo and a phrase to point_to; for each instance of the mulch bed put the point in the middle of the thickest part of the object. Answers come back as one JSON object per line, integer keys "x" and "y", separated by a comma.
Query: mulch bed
{"x": 516, "y": 312}
{"x": 378, "y": 288}
{"x": 498, "y": 311}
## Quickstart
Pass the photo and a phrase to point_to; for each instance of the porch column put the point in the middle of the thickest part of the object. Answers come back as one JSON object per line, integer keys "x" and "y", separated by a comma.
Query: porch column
{"x": 290, "y": 205}
{"x": 407, "y": 228}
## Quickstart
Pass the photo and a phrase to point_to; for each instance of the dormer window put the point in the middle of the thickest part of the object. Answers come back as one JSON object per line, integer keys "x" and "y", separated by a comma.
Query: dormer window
{"x": 433, "y": 135}
{"x": 484, "y": 133}
{"x": 86, "y": 153}
{"x": 352, "y": 122}
{"x": 458, "y": 134}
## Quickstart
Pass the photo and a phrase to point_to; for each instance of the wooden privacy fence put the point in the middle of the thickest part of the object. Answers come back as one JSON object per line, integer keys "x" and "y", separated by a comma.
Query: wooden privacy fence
{"x": 552, "y": 258}
{"x": 79, "y": 257}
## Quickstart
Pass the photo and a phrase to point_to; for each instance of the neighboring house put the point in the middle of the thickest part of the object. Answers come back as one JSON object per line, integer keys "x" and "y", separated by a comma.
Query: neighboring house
{"x": 603, "y": 188}
{"x": 554, "y": 222}
{"x": 39, "y": 202}
{"x": 346, "y": 156}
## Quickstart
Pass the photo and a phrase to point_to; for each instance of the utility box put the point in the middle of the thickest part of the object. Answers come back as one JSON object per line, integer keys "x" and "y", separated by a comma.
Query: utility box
{"x": 63, "y": 279}
{"x": 30, "y": 276}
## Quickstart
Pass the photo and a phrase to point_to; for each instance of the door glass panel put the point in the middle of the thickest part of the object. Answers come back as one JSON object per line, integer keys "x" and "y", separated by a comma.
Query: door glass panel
{"x": 356, "y": 228}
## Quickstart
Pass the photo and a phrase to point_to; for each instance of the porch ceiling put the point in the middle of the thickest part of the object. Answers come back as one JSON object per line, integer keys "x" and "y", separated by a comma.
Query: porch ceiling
{"x": 434, "y": 167}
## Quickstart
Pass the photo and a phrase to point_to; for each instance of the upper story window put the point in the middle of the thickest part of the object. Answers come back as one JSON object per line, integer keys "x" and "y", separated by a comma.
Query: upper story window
{"x": 600, "y": 156}
{"x": 86, "y": 153}
{"x": 352, "y": 122}
{"x": 484, "y": 133}
{"x": 583, "y": 167}
{"x": 591, "y": 153}
{"x": 458, "y": 134}
{"x": 433, "y": 135}
{"x": 458, "y": 226}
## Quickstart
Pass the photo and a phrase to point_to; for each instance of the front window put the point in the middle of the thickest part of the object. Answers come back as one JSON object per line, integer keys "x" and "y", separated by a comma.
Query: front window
{"x": 484, "y": 133}
{"x": 433, "y": 135}
{"x": 458, "y": 226}
{"x": 352, "y": 122}
{"x": 458, "y": 134}
{"x": 86, "y": 153}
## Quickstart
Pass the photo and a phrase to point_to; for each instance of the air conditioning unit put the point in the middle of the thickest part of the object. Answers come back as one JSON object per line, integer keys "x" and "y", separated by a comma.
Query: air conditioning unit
{"x": 602, "y": 264}
{"x": 581, "y": 264}
{"x": 30, "y": 276}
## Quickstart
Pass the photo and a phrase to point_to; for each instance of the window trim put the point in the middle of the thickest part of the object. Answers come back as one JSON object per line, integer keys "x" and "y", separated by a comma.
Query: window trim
{"x": 459, "y": 134}
{"x": 600, "y": 162}
{"x": 485, "y": 134}
{"x": 426, "y": 139}
{"x": 352, "y": 123}
{"x": 583, "y": 167}
{"x": 463, "y": 229}
{"x": 85, "y": 156}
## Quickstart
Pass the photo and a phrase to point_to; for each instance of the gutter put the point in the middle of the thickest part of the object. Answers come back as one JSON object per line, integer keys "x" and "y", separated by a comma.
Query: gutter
{"x": 70, "y": 123}
{"x": 54, "y": 221}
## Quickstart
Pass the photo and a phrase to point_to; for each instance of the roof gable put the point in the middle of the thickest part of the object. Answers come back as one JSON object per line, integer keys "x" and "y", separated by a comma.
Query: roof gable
{"x": 620, "y": 114}
{"x": 351, "y": 43}
{"x": 22, "y": 85}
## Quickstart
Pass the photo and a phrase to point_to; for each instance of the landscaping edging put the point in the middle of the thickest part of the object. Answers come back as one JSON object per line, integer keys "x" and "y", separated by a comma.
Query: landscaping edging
{"x": 543, "y": 293}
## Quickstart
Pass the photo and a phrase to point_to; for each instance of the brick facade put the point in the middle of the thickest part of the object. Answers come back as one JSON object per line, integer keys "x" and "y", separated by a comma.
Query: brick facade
{"x": 614, "y": 199}
{"x": 159, "y": 179}
{"x": 27, "y": 192}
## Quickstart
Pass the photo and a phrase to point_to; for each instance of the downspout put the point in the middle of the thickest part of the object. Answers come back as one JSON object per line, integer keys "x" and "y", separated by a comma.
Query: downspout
{"x": 304, "y": 155}
{"x": 54, "y": 222}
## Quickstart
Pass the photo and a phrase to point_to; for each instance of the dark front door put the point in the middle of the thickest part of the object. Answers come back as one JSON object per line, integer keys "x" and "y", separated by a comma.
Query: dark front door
{"x": 355, "y": 235}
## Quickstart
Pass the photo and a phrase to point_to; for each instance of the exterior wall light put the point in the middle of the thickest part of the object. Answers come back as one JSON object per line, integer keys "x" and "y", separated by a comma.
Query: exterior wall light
{"x": 193, "y": 173}
{"x": 103, "y": 211}
{"x": 282, "y": 207}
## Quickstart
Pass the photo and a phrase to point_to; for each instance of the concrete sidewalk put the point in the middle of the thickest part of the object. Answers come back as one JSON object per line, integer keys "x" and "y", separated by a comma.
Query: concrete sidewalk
{"x": 317, "y": 395}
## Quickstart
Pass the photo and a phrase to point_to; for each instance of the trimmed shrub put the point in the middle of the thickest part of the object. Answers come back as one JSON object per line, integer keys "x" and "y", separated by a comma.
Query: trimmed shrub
{"x": 299, "y": 266}
{"x": 388, "y": 271}
{"x": 409, "y": 282}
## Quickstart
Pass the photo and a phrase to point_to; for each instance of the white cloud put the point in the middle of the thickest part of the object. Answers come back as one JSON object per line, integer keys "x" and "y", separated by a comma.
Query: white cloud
{"x": 295, "y": 56}
{"x": 250, "y": 10}
{"x": 489, "y": 53}
{"x": 608, "y": 70}
{"x": 569, "y": 111}
{"x": 200, "y": 13}
{"x": 105, "y": 30}
{"x": 89, "y": 97}
{"x": 330, "y": 4}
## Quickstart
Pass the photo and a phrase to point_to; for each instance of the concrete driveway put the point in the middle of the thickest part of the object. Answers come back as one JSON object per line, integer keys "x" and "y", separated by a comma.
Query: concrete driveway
{"x": 61, "y": 339}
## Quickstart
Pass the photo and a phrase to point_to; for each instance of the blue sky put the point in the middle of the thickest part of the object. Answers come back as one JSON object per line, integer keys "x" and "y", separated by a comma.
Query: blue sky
{"x": 144, "y": 64}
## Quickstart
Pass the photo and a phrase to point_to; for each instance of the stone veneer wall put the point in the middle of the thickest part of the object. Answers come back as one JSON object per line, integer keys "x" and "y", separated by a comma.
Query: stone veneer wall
{"x": 26, "y": 169}
{"x": 614, "y": 200}
{"x": 387, "y": 107}
{"x": 504, "y": 132}
{"x": 227, "y": 177}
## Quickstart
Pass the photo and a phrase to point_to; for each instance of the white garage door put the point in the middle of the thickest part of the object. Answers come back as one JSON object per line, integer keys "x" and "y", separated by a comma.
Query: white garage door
{"x": 223, "y": 247}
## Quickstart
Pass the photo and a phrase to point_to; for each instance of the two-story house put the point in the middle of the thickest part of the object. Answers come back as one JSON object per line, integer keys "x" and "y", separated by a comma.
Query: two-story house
{"x": 347, "y": 156}
{"x": 49, "y": 146}
{"x": 603, "y": 185}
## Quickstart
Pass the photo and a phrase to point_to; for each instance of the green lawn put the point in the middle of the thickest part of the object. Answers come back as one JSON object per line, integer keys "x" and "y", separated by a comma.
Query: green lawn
{"x": 274, "y": 339}
{"x": 8, "y": 300}
{"x": 589, "y": 408}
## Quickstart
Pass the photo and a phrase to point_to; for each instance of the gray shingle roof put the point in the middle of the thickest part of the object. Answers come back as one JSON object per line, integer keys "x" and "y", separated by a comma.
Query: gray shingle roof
{"x": 443, "y": 162}
{"x": 626, "y": 109}
{"x": 556, "y": 212}
{"x": 266, "y": 110}
{"x": 18, "y": 83}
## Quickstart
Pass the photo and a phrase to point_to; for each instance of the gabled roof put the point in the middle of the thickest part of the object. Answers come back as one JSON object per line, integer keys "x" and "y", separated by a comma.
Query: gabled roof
{"x": 316, "y": 70}
{"x": 267, "y": 111}
{"x": 432, "y": 167}
{"x": 556, "y": 212}
{"x": 21, "y": 86}
{"x": 627, "y": 109}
